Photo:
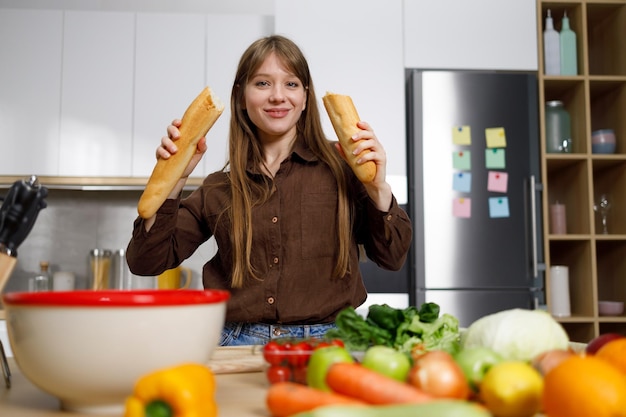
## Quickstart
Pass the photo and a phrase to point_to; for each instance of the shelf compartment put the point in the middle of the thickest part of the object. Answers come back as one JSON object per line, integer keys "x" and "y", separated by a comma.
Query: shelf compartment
{"x": 571, "y": 91}
{"x": 568, "y": 183}
{"x": 606, "y": 39}
{"x": 609, "y": 177}
{"x": 576, "y": 255}
{"x": 579, "y": 332}
{"x": 611, "y": 270}
{"x": 607, "y": 97}
{"x": 612, "y": 327}
{"x": 575, "y": 14}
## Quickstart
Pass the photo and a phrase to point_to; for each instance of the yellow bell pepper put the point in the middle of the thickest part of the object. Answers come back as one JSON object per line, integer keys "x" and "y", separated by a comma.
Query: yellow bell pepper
{"x": 186, "y": 390}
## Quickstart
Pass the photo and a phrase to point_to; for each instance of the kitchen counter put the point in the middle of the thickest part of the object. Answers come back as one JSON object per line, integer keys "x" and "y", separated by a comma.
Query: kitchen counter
{"x": 239, "y": 394}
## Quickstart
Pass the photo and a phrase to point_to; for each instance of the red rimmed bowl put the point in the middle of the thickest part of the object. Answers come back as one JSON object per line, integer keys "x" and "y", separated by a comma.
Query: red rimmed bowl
{"x": 88, "y": 348}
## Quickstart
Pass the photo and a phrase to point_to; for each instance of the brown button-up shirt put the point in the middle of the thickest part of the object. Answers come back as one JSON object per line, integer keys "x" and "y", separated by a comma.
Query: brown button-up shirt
{"x": 294, "y": 243}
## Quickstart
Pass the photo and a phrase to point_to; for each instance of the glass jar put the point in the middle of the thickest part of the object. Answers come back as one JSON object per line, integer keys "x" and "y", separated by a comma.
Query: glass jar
{"x": 100, "y": 269}
{"x": 558, "y": 128}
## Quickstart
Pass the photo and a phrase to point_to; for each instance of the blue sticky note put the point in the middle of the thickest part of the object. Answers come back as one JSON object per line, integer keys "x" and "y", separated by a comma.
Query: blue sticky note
{"x": 495, "y": 159}
{"x": 462, "y": 181}
{"x": 462, "y": 160}
{"x": 499, "y": 207}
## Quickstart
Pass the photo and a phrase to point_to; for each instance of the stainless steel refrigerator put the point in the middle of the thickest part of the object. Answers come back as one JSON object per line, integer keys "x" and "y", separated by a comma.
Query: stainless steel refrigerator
{"x": 474, "y": 192}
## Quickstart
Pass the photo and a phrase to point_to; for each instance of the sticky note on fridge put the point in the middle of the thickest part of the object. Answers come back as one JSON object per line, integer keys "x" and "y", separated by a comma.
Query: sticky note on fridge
{"x": 495, "y": 137}
{"x": 461, "y": 135}
{"x": 499, "y": 207}
{"x": 462, "y": 207}
{"x": 495, "y": 158}
{"x": 497, "y": 181}
{"x": 462, "y": 160}
{"x": 462, "y": 181}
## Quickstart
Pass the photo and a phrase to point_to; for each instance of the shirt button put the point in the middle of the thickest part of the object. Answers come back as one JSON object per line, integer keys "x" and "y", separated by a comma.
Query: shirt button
{"x": 389, "y": 217}
{"x": 276, "y": 260}
{"x": 274, "y": 219}
{"x": 270, "y": 300}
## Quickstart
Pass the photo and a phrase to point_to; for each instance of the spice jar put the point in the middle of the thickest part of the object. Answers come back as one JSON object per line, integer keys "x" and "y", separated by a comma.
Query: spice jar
{"x": 558, "y": 128}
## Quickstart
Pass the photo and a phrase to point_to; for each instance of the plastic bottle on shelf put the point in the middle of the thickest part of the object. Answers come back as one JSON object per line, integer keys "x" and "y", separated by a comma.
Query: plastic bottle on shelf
{"x": 558, "y": 128}
{"x": 42, "y": 281}
{"x": 567, "y": 45}
{"x": 551, "y": 48}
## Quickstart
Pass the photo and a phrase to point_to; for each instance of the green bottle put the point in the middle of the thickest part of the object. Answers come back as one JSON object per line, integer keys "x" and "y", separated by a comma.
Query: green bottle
{"x": 568, "y": 48}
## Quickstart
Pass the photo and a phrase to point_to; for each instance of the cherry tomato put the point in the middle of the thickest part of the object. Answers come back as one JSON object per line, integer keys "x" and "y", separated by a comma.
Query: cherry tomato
{"x": 299, "y": 353}
{"x": 273, "y": 353}
{"x": 278, "y": 373}
{"x": 337, "y": 342}
{"x": 322, "y": 345}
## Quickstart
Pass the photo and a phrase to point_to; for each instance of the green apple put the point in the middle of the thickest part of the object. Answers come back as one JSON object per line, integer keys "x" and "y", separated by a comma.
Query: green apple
{"x": 387, "y": 361}
{"x": 475, "y": 362}
{"x": 320, "y": 361}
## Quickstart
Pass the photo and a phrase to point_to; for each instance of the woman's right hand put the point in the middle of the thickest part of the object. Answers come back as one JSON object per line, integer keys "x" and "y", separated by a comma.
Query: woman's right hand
{"x": 168, "y": 147}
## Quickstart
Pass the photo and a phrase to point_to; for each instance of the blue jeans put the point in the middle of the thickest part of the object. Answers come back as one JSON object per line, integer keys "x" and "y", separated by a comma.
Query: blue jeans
{"x": 237, "y": 334}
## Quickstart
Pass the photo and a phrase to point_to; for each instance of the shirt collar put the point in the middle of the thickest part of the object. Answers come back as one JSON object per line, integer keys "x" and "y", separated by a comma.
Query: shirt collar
{"x": 300, "y": 152}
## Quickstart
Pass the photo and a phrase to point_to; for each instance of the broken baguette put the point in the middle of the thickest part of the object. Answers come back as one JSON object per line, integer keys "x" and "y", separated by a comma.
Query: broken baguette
{"x": 199, "y": 117}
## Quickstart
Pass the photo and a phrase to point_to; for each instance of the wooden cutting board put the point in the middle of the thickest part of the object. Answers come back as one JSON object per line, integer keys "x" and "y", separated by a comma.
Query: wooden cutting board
{"x": 236, "y": 359}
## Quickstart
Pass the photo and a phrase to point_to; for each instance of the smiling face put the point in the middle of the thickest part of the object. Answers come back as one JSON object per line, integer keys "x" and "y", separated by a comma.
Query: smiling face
{"x": 274, "y": 99}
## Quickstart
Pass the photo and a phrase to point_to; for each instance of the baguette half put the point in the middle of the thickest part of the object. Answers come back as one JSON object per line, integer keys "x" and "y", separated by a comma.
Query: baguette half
{"x": 199, "y": 117}
{"x": 344, "y": 117}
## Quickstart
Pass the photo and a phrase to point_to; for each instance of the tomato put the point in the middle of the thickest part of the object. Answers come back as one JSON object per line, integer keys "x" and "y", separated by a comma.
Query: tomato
{"x": 278, "y": 373}
{"x": 298, "y": 355}
{"x": 436, "y": 373}
{"x": 337, "y": 342}
{"x": 322, "y": 345}
{"x": 273, "y": 353}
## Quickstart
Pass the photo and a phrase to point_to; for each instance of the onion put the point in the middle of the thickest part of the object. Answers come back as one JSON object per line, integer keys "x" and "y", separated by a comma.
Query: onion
{"x": 437, "y": 374}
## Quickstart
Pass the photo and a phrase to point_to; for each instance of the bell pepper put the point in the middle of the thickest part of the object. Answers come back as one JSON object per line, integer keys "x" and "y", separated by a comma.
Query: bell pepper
{"x": 186, "y": 390}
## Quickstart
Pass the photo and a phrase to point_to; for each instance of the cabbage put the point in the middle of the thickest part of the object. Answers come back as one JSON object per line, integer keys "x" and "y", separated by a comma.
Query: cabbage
{"x": 516, "y": 334}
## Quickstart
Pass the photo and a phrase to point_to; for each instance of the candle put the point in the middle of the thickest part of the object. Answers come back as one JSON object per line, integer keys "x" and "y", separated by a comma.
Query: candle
{"x": 559, "y": 299}
{"x": 558, "y": 219}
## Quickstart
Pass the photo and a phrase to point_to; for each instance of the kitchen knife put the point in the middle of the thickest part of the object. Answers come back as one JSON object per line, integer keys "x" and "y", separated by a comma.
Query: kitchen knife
{"x": 19, "y": 210}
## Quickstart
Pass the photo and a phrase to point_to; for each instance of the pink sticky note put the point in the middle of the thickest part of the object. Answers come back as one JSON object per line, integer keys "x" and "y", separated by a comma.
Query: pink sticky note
{"x": 462, "y": 207}
{"x": 497, "y": 181}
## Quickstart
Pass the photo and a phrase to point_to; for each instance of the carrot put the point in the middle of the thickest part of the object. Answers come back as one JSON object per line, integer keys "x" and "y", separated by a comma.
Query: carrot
{"x": 356, "y": 381}
{"x": 288, "y": 398}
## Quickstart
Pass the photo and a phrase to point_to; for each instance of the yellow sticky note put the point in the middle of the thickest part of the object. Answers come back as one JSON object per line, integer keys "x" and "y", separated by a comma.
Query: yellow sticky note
{"x": 495, "y": 137}
{"x": 461, "y": 135}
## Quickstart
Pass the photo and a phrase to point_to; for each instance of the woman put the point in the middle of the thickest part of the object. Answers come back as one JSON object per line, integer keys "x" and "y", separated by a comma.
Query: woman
{"x": 287, "y": 213}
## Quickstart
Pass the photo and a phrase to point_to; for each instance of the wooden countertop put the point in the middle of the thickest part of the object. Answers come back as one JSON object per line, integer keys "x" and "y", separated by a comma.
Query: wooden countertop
{"x": 24, "y": 399}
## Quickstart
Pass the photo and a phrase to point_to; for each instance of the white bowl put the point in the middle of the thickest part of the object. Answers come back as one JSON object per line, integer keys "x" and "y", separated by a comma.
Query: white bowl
{"x": 610, "y": 308}
{"x": 88, "y": 348}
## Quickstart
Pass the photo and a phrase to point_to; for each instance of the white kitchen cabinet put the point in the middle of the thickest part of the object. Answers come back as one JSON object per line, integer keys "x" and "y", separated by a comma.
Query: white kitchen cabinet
{"x": 97, "y": 94}
{"x": 169, "y": 74}
{"x": 30, "y": 85}
{"x": 235, "y": 33}
{"x": 460, "y": 34}
{"x": 354, "y": 47}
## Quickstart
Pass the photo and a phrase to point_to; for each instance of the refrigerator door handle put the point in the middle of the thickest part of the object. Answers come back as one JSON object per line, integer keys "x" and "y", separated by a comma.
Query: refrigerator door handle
{"x": 533, "y": 217}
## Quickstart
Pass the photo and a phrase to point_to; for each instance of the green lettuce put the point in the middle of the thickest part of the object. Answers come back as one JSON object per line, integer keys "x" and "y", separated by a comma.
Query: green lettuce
{"x": 407, "y": 330}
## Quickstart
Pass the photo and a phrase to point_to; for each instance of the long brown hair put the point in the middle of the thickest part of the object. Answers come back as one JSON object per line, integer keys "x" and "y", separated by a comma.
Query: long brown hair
{"x": 245, "y": 147}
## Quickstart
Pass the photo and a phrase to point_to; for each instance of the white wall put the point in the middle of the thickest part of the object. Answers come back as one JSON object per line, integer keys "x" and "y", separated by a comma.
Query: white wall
{"x": 262, "y": 7}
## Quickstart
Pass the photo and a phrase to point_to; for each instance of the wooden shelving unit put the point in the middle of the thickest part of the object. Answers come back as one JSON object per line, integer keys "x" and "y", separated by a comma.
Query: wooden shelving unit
{"x": 595, "y": 99}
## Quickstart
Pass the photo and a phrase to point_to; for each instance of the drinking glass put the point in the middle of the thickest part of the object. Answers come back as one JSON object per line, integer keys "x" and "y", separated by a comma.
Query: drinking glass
{"x": 602, "y": 206}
